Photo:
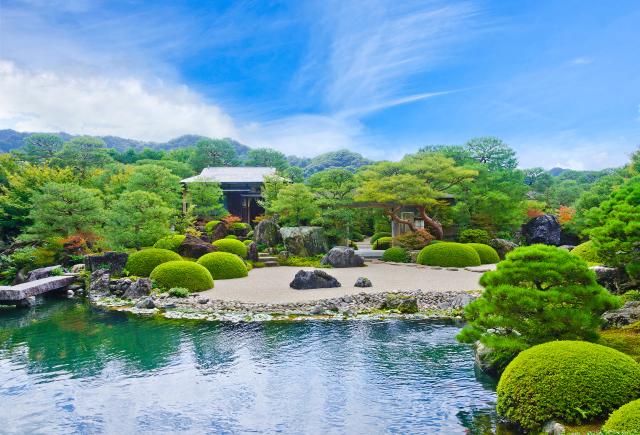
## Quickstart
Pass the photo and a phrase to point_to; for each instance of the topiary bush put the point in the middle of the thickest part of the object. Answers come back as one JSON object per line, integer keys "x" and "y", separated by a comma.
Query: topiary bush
{"x": 224, "y": 265}
{"x": 625, "y": 419}
{"x": 382, "y": 243}
{"x": 247, "y": 242}
{"x": 210, "y": 226}
{"x": 141, "y": 263}
{"x": 186, "y": 274}
{"x": 378, "y": 235}
{"x": 170, "y": 242}
{"x": 231, "y": 236}
{"x": 487, "y": 254}
{"x": 567, "y": 381}
{"x": 231, "y": 245}
{"x": 396, "y": 254}
{"x": 448, "y": 254}
{"x": 587, "y": 252}
{"x": 474, "y": 236}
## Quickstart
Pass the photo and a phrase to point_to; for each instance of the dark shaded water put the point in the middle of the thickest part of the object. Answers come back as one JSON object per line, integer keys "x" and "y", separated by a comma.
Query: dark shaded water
{"x": 68, "y": 368}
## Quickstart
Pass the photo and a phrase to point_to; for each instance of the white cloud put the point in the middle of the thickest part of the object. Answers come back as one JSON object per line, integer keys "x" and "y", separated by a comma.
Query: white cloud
{"x": 581, "y": 61}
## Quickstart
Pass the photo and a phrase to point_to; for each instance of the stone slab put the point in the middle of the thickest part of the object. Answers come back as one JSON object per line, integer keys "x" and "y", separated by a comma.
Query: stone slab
{"x": 34, "y": 288}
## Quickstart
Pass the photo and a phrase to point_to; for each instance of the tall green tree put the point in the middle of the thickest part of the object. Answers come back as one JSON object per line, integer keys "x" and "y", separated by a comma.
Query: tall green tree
{"x": 270, "y": 189}
{"x": 266, "y": 157}
{"x": 158, "y": 180}
{"x": 207, "y": 199}
{"x": 82, "y": 154}
{"x": 492, "y": 152}
{"x": 213, "y": 152}
{"x": 295, "y": 205}
{"x": 41, "y": 147}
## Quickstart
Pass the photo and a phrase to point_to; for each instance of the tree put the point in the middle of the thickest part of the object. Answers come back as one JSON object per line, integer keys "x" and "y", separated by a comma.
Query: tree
{"x": 295, "y": 204}
{"x": 158, "y": 180}
{"x": 40, "y": 147}
{"x": 492, "y": 152}
{"x": 565, "y": 192}
{"x": 64, "y": 209}
{"x": 266, "y": 157}
{"x": 206, "y": 199}
{"x": 270, "y": 189}
{"x": 179, "y": 169}
{"x": 422, "y": 180}
{"x": 138, "y": 219}
{"x": 335, "y": 159}
{"x": 83, "y": 153}
{"x": 596, "y": 195}
{"x": 211, "y": 153}
{"x": 294, "y": 174}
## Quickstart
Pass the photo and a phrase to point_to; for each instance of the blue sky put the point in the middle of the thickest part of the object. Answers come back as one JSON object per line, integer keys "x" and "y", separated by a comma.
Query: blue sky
{"x": 557, "y": 80}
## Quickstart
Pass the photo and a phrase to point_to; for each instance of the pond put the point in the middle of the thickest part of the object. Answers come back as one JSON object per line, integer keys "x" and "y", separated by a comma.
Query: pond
{"x": 66, "y": 367}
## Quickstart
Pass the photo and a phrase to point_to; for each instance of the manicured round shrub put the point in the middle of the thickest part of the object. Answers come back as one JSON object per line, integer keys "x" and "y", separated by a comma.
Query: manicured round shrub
{"x": 224, "y": 265}
{"x": 247, "y": 242}
{"x": 170, "y": 242}
{"x": 240, "y": 226}
{"x": 487, "y": 254}
{"x": 383, "y": 243}
{"x": 625, "y": 419}
{"x": 179, "y": 292}
{"x": 186, "y": 274}
{"x": 474, "y": 236}
{"x": 233, "y": 246}
{"x": 448, "y": 254}
{"x": 396, "y": 254}
{"x": 567, "y": 381}
{"x": 587, "y": 252}
{"x": 378, "y": 235}
{"x": 231, "y": 236}
{"x": 141, "y": 263}
{"x": 210, "y": 226}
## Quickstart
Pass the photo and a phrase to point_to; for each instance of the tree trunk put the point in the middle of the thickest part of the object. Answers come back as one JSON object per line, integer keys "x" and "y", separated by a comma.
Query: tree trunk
{"x": 432, "y": 223}
{"x": 392, "y": 214}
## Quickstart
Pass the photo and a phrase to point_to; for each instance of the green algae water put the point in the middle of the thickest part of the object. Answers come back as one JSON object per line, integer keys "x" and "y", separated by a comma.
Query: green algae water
{"x": 66, "y": 367}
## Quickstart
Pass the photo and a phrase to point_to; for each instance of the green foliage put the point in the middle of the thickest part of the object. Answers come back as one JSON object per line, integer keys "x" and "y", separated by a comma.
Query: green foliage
{"x": 537, "y": 294}
{"x": 171, "y": 242}
{"x": 448, "y": 254}
{"x": 232, "y": 246}
{"x": 157, "y": 180}
{"x": 179, "y": 292}
{"x": 382, "y": 243}
{"x": 179, "y": 169}
{"x": 414, "y": 240}
{"x": 64, "y": 209}
{"x": 83, "y": 153}
{"x": 487, "y": 254}
{"x": 474, "y": 236}
{"x": 247, "y": 242}
{"x": 239, "y": 226}
{"x": 213, "y": 152}
{"x": 207, "y": 199}
{"x": 335, "y": 159}
{"x": 493, "y": 153}
{"x": 396, "y": 254}
{"x": 138, "y": 219}
{"x": 41, "y": 147}
{"x": 224, "y": 265}
{"x": 295, "y": 205}
{"x": 270, "y": 189}
{"x": 266, "y": 157}
{"x": 295, "y": 261}
{"x": 379, "y": 235}
{"x": 597, "y": 193}
{"x": 631, "y": 295}
{"x": 566, "y": 381}
{"x": 21, "y": 259}
{"x": 231, "y": 236}
{"x": 187, "y": 274}
{"x": 625, "y": 419}
{"x": 587, "y": 252}
{"x": 142, "y": 263}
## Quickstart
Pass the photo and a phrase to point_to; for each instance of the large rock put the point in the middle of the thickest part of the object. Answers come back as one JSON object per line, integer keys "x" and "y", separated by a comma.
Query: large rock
{"x": 613, "y": 279}
{"x": 305, "y": 280}
{"x": 114, "y": 262}
{"x": 543, "y": 229}
{"x": 502, "y": 246}
{"x": 252, "y": 252}
{"x": 138, "y": 289}
{"x": 363, "y": 282}
{"x": 405, "y": 304}
{"x": 304, "y": 241}
{"x": 99, "y": 282}
{"x": 343, "y": 256}
{"x": 628, "y": 314}
{"x": 44, "y": 272}
{"x": 193, "y": 247}
{"x": 485, "y": 359}
{"x": 219, "y": 232}
{"x": 267, "y": 232}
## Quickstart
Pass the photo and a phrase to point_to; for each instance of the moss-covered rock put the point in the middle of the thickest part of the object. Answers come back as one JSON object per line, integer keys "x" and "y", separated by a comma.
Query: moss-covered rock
{"x": 487, "y": 254}
{"x": 625, "y": 419}
{"x": 396, "y": 254}
{"x": 210, "y": 226}
{"x": 567, "y": 381}
{"x": 224, "y": 265}
{"x": 587, "y": 252}
{"x": 378, "y": 235}
{"x": 171, "y": 242}
{"x": 231, "y": 245}
{"x": 448, "y": 254}
{"x": 141, "y": 263}
{"x": 186, "y": 274}
{"x": 382, "y": 243}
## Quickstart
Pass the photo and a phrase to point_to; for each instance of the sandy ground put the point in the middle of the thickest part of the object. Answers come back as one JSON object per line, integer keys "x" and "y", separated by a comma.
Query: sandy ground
{"x": 271, "y": 284}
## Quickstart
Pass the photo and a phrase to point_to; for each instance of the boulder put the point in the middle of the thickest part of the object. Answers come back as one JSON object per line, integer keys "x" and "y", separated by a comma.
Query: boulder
{"x": 252, "y": 252}
{"x": 267, "y": 232}
{"x": 77, "y": 268}
{"x": 404, "y": 304}
{"x": 343, "y": 256}
{"x": 146, "y": 303}
{"x": 485, "y": 359}
{"x": 193, "y": 247}
{"x": 99, "y": 281}
{"x": 304, "y": 241}
{"x": 628, "y": 314}
{"x": 502, "y": 246}
{"x": 43, "y": 272}
{"x": 615, "y": 280}
{"x": 219, "y": 232}
{"x": 114, "y": 262}
{"x": 363, "y": 282}
{"x": 138, "y": 289}
{"x": 305, "y": 280}
{"x": 543, "y": 229}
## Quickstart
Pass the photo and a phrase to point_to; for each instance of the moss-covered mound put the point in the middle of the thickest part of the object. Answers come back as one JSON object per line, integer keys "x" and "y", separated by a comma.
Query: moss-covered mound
{"x": 170, "y": 242}
{"x": 233, "y": 246}
{"x": 210, "y": 226}
{"x": 378, "y": 235}
{"x": 247, "y": 242}
{"x": 186, "y": 274}
{"x": 231, "y": 236}
{"x": 382, "y": 243}
{"x": 625, "y": 419}
{"x": 487, "y": 254}
{"x": 396, "y": 254}
{"x": 141, "y": 263}
{"x": 587, "y": 252}
{"x": 224, "y": 265}
{"x": 448, "y": 254}
{"x": 567, "y": 381}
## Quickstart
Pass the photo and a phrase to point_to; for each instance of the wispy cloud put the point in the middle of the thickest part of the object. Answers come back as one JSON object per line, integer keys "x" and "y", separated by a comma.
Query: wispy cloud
{"x": 581, "y": 61}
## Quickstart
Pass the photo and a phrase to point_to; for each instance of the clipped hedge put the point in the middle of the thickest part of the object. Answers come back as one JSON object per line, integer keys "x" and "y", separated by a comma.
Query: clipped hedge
{"x": 625, "y": 419}
{"x": 231, "y": 245}
{"x": 141, "y": 263}
{"x": 383, "y": 243}
{"x": 396, "y": 254}
{"x": 231, "y": 236}
{"x": 224, "y": 265}
{"x": 487, "y": 254}
{"x": 566, "y": 381}
{"x": 587, "y": 252}
{"x": 170, "y": 242}
{"x": 186, "y": 274}
{"x": 378, "y": 235}
{"x": 474, "y": 236}
{"x": 448, "y": 254}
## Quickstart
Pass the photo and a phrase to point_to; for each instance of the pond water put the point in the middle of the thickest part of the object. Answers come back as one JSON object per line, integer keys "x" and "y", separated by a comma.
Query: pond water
{"x": 68, "y": 368}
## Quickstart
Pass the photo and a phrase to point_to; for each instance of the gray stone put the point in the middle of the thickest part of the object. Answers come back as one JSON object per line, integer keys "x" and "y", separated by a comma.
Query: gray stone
{"x": 70, "y": 293}
{"x": 26, "y": 302}
{"x": 77, "y": 268}
{"x": 114, "y": 262}
{"x": 43, "y": 272}
{"x": 317, "y": 309}
{"x": 405, "y": 304}
{"x": 363, "y": 282}
{"x": 313, "y": 279}
{"x": 267, "y": 232}
{"x": 146, "y": 303}
{"x": 343, "y": 256}
{"x": 628, "y": 314}
{"x": 502, "y": 246}
{"x": 252, "y": 252}
{"x": 613, "y": 279}
{"x": 138, "y": 289}
{"x": 99, "y": 281}
{"x": 543, "y": 229}
{"x": 304, "y": 241}
{"x": 219, "y": 232}
{"x": 553, "y": 428}
{"x": 203, "y": 300}
{"x": 484, "y": 358}
{"x": 462, "y": 300}
{"x": 193, "y": 247}
{"x": 567, "y": 247}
